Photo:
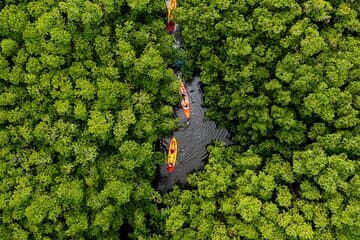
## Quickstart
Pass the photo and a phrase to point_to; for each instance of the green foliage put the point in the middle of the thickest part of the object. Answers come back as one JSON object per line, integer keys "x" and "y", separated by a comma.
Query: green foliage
{"x": 282, "y": 77}
{"x": 85, "y": 92}
{"x": 8, "y": 47}
{"x": 78, "y": 118}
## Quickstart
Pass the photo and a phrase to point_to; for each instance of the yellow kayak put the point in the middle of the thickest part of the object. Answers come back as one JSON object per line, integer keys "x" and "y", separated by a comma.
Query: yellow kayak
{"x": 172, "y": 155}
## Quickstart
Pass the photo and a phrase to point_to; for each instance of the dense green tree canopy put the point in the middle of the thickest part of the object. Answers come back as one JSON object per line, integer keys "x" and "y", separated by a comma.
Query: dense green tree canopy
{"x": 80, "y": 103}
{"x": 282, "y": 77}
{"x": 86, "y": 91}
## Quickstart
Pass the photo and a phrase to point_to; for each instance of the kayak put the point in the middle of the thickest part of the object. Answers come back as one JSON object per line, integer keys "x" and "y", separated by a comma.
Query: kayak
{"x": 171, "y": 26}
{"x": 185, "y": 102}
{"x": 171, "y": 6}
{"x": 172, "y": 155}
{"x": 171, "y": 23}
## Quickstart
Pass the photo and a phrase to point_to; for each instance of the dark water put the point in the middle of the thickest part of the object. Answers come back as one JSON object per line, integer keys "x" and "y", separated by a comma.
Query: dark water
{"x": 192, "y": 140}
{"x": 193, "y": 137}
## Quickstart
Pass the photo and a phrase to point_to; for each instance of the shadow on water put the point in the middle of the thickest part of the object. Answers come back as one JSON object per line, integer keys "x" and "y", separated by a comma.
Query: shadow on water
{"x": 192, "y": 140}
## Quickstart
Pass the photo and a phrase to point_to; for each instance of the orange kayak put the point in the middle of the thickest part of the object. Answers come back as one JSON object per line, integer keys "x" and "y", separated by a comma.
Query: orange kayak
{"x": 172, "y": 155}
{"x": 185, "y": 102}
{"x": 171, "y": 7}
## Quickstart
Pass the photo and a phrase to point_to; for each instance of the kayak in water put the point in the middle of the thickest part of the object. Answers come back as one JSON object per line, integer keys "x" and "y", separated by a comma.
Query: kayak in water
{"x": 172, "y": 155}
{"x": 185, "y": 102}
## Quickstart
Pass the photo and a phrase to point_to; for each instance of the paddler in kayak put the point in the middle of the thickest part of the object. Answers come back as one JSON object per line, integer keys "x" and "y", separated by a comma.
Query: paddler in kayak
{"x": 172, "y": 155}
{"x": 184, "y": 105}
{"x": 185, "y": 102}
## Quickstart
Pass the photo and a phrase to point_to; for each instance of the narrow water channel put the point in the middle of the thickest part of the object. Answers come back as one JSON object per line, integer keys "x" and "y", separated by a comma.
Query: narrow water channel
{"x": 193, "y": 137}
{"x": 192, "y": 141}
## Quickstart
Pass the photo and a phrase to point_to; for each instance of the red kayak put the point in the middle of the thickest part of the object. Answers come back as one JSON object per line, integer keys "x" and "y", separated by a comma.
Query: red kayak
{"x": 171, "y": 26}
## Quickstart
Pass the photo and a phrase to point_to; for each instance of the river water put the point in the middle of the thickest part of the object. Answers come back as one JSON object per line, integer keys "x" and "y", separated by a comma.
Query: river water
{"x": 192, "y": 140}
{"x": 193, "y": 137}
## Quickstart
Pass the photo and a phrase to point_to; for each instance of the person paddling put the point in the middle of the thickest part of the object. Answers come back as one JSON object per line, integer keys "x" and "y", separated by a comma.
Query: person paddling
{"x": 185, "y": 101}
{"x": 184, "y": 105}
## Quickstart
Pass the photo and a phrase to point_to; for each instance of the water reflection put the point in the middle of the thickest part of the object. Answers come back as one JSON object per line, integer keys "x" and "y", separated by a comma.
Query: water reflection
{"x": 192, "y": 140}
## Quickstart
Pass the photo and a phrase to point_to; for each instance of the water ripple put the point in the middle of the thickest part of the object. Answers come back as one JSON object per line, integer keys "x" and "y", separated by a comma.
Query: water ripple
{"x": 192, "y": 141}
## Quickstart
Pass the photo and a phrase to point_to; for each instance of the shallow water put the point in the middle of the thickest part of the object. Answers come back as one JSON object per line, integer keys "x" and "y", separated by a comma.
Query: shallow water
{"x": 192, "y": 140}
